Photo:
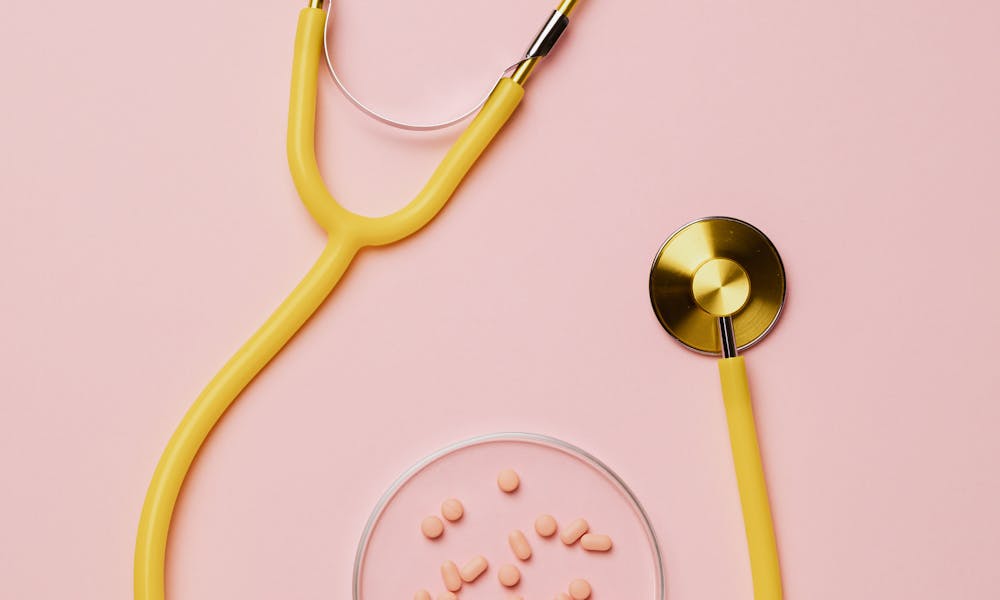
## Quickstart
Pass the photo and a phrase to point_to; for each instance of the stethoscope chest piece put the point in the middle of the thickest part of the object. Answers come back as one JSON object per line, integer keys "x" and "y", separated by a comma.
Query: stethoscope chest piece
{"x": 713, "y": 269}
{"x": 717, "y": 286}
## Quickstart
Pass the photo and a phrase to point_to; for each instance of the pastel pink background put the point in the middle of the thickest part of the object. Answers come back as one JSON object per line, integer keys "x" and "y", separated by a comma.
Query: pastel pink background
{"x": 149, "y": 225}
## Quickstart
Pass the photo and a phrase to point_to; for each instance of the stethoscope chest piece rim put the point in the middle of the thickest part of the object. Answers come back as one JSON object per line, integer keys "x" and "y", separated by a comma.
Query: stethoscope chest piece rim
{"x": 715, "y": 266}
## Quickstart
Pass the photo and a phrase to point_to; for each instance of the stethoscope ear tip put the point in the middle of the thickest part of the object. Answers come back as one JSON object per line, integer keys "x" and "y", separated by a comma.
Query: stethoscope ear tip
{"x": 717, "y": 275}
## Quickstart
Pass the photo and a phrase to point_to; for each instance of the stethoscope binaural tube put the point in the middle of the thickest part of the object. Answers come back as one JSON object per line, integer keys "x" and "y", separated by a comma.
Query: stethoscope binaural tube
{"x": 360, "y": 231}
{"x": 347, "y": 234}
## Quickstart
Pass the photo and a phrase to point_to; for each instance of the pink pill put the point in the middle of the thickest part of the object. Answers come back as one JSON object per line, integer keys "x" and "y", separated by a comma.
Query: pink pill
{"x": 596, "y": 542}
{"x": 509, "y": 576}
{"x": 579, "y": 589}
{"x": 473, "y": 569}
{"x": 432, "y": 528}
{"x": 574, "y": 531}
{"x": 508, "y": 480}
{"x": 519, "y": 544}
{"x": 447, "y": 596}
{"x": 451, "y": 577}
{"x": 422, "y": 595}
{"x": 452, "y": 509}
{"x": 546, "y": 526}
{"x": 562, "y": 596}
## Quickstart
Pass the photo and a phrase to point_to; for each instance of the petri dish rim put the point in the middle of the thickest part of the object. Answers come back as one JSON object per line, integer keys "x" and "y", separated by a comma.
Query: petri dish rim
{"x": 509, "y": 436}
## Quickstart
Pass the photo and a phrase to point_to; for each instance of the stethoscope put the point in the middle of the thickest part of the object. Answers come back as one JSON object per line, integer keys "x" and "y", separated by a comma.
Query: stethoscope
{"x": 347, "y": 234}
{"x": 716, "y": 285}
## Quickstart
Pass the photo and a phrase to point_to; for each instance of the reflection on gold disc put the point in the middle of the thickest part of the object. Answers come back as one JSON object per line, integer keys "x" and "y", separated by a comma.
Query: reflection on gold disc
{"x": 754, "y": 287}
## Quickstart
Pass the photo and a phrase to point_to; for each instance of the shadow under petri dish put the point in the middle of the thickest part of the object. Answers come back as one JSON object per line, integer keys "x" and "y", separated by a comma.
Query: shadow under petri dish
{"x": 394, "y": 560}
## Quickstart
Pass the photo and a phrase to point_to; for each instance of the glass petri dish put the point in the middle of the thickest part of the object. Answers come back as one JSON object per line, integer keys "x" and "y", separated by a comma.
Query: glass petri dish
{"x": 395, "y": 560}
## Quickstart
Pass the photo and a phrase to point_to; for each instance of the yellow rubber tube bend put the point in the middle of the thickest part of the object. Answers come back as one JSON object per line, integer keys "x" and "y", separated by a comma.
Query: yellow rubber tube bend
{"x": 750, "y": 479}
{"x": 347, "y": 234}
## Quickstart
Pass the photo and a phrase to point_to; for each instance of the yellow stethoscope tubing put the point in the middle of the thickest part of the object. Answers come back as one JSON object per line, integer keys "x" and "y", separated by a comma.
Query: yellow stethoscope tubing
{"x": 347, "y": 234}
{"x": 761, "y": 543}
{"x": 377, "y": 231}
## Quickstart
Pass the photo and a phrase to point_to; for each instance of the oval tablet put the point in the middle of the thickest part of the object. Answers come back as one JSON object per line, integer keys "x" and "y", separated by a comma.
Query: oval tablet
{"x": 452, "y": 509}
{"x": 422, "y": 595}
{"x": 451, "y": 577}
{"x": 562, "y": 596}
{"x": 519, "y": 544}
{"x": 508, "y": 480}
{"x": 447, "y": 596}
{"x": 574, "y": 531}
{"x": 546, "y": 526}
{"x": 473, "y": 569}
{"x": 509, "y": 576}
{"x": 432, "y": 527}
{"x": 596, "y": 542}
{"x": 579, "y": 589}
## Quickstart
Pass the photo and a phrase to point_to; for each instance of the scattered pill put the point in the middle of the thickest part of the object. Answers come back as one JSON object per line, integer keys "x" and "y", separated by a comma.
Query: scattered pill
{"x": 422, "y": 595}
{"x": 579, "y": 589}
{"x": 432, "y": 528}
{"x": 546, "y": 526}
{"x": 596, "y": 542}
{"x": 562, "y": 596}
{"x": 473, "y": 569}
{"x": 515, "y": 597}
{"x": 508, "y": 480}
{"x": 452, "y": 509}
{"x": 574, "y": 531}
{"x": 447, "y": 596}
{"x": 451, "y": 577}
{"x": 509, "y": 576}
{"x": 519, "y": 544}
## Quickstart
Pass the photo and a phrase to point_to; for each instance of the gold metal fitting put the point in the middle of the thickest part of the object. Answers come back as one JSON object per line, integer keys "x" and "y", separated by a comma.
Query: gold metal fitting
{"x": 721, "y": 287}
{"x": 544, "y": 41}
{"x": 315, "y": 3}
{"x": 523, "y": 70}
{"x": 713, "y": 268}
{"x": 567, "y": 7}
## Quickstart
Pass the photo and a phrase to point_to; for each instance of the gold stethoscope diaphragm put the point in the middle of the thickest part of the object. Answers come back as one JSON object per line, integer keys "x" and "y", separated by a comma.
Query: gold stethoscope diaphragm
{"x": 714, "y": 268}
